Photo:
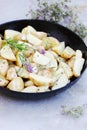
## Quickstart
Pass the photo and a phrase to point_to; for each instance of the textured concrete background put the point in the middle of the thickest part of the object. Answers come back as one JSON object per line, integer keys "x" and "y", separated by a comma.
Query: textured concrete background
{"x": 17, "y": 9}
{"x": 44, "y": 114}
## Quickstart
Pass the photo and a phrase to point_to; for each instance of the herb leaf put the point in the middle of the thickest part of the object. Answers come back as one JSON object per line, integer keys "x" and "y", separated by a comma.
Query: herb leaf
{"x": 75, "y": 112}
{"x": 15, "y": 44}
{"x": 59, "y": 12}
{"x": 22, "y": 58}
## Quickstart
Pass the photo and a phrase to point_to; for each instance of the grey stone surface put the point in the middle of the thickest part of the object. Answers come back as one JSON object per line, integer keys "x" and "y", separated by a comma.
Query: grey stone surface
{"x": 42, "y": 114}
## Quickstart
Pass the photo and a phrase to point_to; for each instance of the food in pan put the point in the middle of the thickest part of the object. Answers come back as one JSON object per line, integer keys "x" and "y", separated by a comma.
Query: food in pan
{"x": 31, "y": 61}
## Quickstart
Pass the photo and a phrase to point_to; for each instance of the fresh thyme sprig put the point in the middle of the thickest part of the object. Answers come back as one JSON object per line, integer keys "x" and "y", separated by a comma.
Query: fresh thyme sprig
{"x": 22, "y": 58}
{"x": 59, "y": 12}
{"x": 16, "y": 44}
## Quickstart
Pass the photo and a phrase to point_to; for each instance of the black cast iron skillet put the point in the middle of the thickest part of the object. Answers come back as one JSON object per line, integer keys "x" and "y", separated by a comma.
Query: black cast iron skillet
{"x": 55, "y": 30}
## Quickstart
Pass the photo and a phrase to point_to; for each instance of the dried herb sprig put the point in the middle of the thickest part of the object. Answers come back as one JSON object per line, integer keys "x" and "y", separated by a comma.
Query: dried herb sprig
{"x": 59, "y": 12}
{"x": 74, "y": 112}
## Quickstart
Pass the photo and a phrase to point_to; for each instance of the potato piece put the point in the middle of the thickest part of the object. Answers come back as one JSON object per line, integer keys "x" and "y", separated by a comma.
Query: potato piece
{"x": 68, "y": 53}
{"x": 41, "y": 80}
{"x": 16, "y": 68}
{"x": 15, "y": 51}
{"x": 63, "y": 80}
{"x": 0, "y": 42}
{"x": 18, "y": 61}
{"x": 3, "y": 66}
{"x": 31, "y": 30}
{"x": 60, "y": 48}
{"x": 16, "y": 84}
{"x": 3, "y": 42}
{"x": 40, "y": 59}
{"x": 21, "y": 37}
{"x": 22, "y": 72}
{"x": 30, "y": 59}
{"x": 77, "y": 68}
{"x": 28, "y": 83}
{"x": 46, "y": 72}
{"x": 30, "y": 51}
{"x": 30, "y": 89}
{"x": 41, "y": 35}
{"x": 59, "y": 59}
{"x": 43, "y": 89}
{"x": 33, "y": 40}
{"x": 53, "y": 61}
{"x": 3, "y": 81}
{"x": 54, "y": 54}
{"x": 49, "y": 42}
{"x": 78, "y": 54}
{"x": 53, "y": 64}
{"x": 67, "y": 69}
{"x": 70, "y": 62}
{"x": 10, "y": 33}
{"x": 49, "y": 55}
{"x": 6, "y": 52}
{"x": 58, "y": 73}
{"x": 28, "y": 30}
{"x": 11, "y": 73}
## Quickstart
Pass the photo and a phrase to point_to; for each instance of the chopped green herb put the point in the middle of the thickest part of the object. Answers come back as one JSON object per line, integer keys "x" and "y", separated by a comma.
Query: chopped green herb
{"x": 15, "y": 44}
